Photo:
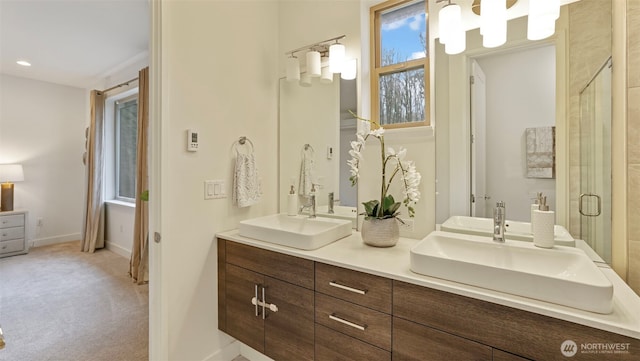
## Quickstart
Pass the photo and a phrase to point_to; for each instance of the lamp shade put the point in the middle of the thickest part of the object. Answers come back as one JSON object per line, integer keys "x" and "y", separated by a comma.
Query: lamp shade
{"x": 305, "y": 80}
{"x": 493, "y": 23}
{"x": 327, "y": 76}
{"x": 293, "y": 68}
{"x": 336, "y": 58}
{"x": 542, "y": 18}
{"x": 314, "y": 65}
{"x": 349, "y": 69}
{"x": 449, "y": 19}
{"x": 11, "y": 173}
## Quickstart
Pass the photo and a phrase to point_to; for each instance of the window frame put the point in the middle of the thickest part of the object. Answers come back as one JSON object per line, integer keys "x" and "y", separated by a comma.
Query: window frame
{"x": 116, "y": 120}
{"x": 377, "y": 71}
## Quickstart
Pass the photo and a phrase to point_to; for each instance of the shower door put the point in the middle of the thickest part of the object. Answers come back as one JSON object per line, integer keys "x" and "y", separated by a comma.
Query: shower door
{"x": 595, "y": 163}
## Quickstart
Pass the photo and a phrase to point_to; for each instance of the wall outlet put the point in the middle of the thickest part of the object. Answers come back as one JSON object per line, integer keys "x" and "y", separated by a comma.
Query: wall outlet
{"x": 407, "y": 225}
{"x": 39, "y": 223}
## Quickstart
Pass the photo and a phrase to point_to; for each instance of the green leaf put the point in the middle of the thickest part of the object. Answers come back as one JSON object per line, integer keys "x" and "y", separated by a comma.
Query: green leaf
{"x": 371, "y": 207}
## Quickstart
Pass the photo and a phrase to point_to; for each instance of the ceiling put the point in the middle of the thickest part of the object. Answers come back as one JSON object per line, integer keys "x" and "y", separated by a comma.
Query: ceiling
{"x": 72, "y": 42}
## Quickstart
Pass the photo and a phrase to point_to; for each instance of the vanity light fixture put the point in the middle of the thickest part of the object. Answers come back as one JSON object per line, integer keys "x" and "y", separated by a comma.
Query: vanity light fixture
{"x": 323, "y": 59}
{"x": 452, "y": 35}
{"x": 327, "y": 76}
{"x": 493, "y": 23}
{"x": 293, "y": 68}
{"x": 314, "y": 69}
{"x": 23, "y": 63}
{"x": 349, "y": 70}
{"x": 336, "y": 57}
{"x": 542, "y": 18}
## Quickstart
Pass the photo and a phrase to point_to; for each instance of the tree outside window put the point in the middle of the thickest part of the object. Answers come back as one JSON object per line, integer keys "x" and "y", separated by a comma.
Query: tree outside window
{"x": 400, "y": 76}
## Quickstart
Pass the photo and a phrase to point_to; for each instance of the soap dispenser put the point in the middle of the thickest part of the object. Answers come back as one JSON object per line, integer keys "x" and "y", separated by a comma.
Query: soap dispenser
{"x": 292, "y": 202}
{"x": 543, "y": 223}
{"x": 535, "y": 207}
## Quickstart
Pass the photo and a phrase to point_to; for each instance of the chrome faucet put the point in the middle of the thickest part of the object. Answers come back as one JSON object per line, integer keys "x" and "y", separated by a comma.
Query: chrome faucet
{"x": 330, "y": 208}
{"x": 499, "y": 217}
{"x": 311, "y": 199}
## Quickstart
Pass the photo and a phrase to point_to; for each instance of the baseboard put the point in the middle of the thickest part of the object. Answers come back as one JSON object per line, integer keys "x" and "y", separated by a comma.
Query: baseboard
{"x": 252, "y": 354}
{"x": 39, "y": 242}
{"x": 227, "y": 353}
{"x": 118, "y": 249}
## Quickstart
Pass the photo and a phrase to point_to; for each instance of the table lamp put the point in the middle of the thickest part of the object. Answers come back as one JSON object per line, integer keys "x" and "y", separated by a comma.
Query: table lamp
{"x": 9, "y": 173}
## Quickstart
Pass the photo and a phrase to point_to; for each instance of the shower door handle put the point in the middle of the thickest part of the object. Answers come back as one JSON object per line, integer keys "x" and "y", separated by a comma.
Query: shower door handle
{"x": 599, "y": 209}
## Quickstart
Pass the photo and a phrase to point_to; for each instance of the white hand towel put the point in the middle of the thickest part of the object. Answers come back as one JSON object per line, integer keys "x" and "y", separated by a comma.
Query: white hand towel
{"x": 306, "y": 169}
{"x": 246, "y": 183}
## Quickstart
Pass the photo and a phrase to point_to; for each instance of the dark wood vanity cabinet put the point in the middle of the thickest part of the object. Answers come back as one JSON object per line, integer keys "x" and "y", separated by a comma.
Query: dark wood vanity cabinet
{"x": 513, "y": 334}
{"x": 275, "y": 316}
{"x": 326, "y": 312}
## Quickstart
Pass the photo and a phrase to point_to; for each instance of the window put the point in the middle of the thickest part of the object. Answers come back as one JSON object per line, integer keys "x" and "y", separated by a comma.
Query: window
{"x": 400, "y": 63}
{"x": 126, "y": 145}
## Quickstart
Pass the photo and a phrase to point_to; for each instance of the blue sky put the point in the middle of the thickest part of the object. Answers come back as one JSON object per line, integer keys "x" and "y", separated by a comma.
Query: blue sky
{"x": 403, "y": 35}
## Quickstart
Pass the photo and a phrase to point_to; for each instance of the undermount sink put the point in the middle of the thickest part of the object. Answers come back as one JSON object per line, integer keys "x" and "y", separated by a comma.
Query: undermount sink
{"x": 339, "y": 212}
{"x": 518, "y": 231}
{"x": 560, "y": 275}
{"x": 298, "y": 231}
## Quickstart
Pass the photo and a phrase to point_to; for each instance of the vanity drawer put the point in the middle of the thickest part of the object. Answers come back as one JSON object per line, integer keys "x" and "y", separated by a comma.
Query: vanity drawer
{"x": 335, "y": 346}
{"x": 291, "y": 269}
{"x": 11, "y": 233}
{"x": 357, "y": 287}
{"x": 16, "y": 220}
{"x": 16, "y": 245}
{"x": 360, "y": 322}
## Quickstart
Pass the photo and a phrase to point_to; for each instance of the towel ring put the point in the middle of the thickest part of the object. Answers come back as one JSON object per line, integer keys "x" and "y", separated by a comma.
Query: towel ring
{"x": 307, "y": 147}
{"x": 243, "y": 141}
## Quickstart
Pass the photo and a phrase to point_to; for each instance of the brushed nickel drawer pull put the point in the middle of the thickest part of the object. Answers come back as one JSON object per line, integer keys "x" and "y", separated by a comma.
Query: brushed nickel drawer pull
{"x": 350, "y": 289}
{"x": 255, "y": 298}
{"x": 348, "y": 323}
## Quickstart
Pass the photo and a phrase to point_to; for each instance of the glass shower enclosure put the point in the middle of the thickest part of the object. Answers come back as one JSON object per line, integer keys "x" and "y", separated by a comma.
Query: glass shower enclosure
{"x": 595, "y": 162}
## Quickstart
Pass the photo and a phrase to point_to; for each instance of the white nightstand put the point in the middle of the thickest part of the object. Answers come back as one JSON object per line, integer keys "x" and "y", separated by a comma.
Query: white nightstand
{"x": 13, "y": 235}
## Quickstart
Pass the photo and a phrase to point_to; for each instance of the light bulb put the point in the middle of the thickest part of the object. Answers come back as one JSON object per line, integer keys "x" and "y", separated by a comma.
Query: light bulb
{"x": 336, "y": 57}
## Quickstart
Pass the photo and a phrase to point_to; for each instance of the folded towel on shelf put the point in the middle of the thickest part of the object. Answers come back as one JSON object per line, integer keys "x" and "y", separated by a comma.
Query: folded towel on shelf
{"x": 246, "y": 182}
{"x": 306, "y": 170}
{"x": 541, "y": 154}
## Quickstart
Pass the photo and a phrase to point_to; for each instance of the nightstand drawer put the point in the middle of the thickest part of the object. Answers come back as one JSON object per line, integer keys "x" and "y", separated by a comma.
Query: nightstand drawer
{"x": 7, "y": 234}
{"x": 353, "y": 286}
{"x": 360, "y": 322}
{"x": 16, "y": 220}
{"x": 15, "y": 245}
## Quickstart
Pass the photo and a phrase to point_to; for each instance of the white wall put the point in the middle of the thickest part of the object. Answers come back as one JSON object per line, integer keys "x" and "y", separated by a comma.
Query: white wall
{"x": 419, "y": 142}
{"x": 509, "y": 113}
{"x": 219, "y": 76}
{"x": 42, "y": 127}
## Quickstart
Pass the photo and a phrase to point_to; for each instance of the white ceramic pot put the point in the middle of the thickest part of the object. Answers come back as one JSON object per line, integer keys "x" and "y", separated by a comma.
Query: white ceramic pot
{"x": 380, "y": 232}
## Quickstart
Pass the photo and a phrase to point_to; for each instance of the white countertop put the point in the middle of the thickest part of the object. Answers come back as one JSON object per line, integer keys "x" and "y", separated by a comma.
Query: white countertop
{"x": 352, "y": 253}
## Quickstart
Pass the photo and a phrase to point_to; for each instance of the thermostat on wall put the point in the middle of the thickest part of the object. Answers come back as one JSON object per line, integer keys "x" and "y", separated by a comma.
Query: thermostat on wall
{"x": 192, "y": 140}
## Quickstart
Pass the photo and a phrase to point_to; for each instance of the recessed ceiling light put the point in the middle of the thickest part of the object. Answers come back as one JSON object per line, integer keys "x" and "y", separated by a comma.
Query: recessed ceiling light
{"x": 23, "y": 63}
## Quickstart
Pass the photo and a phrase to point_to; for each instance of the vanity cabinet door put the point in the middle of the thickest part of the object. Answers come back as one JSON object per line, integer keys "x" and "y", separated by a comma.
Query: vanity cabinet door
{"x": 414, "y": 342}
{"x": 243, "y": 319}
{"x": 288, "y": 333}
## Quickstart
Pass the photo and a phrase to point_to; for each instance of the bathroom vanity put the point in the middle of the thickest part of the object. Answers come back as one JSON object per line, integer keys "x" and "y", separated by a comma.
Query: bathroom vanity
{"x": 348, "y": 301}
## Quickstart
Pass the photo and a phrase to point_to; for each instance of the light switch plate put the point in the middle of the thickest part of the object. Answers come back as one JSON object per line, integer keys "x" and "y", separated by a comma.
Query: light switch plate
{"x": 214, "y": 189}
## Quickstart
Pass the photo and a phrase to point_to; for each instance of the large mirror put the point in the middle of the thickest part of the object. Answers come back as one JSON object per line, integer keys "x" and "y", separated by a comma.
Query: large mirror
{"x": 316, "y": 129}
{"x": 495, "y": 106}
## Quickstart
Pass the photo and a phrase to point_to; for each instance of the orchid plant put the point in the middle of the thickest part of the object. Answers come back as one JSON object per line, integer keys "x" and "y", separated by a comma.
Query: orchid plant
{"x": 386, "y": 206}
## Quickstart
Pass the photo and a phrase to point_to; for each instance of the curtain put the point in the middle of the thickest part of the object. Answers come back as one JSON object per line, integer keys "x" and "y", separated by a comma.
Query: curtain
{"x": 138, "y": 265}
{"x": 93, "y": 222}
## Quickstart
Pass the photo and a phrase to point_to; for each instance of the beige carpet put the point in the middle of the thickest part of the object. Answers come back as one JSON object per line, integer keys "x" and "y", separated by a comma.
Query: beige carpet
{"x": 60, "y": 304}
